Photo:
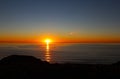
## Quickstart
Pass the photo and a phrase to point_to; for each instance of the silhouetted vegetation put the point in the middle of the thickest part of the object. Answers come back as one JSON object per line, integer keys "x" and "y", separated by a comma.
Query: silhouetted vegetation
{"x": 28, "y": 67}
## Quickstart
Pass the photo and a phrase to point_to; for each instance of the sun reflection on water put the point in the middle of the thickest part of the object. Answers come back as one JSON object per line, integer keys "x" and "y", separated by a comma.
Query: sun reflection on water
{"x": 47, "y": 54}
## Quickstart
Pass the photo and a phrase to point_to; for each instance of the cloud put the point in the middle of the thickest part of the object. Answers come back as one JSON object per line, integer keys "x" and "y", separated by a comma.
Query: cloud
{"x": 72, "y": 33}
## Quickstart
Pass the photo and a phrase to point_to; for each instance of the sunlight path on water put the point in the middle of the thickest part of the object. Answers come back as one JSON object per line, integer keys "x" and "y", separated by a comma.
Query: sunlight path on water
{"x": 47, "y": 54}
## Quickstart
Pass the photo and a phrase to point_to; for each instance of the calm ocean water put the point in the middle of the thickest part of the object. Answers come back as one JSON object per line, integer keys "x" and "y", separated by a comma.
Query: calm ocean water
{"x": 66, "y": 52}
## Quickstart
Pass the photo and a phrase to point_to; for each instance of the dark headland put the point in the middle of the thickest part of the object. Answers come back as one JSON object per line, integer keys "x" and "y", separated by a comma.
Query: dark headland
{"x": 28, "y": 67}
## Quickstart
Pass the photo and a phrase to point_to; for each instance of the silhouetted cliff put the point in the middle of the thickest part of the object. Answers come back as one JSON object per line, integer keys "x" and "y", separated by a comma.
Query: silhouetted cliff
{"x": 28, "y": 67}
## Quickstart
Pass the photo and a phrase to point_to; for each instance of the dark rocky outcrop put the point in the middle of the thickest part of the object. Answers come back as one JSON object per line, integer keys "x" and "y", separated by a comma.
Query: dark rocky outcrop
{"x": 28, "y": 67}
{"x": 21, "y": 59}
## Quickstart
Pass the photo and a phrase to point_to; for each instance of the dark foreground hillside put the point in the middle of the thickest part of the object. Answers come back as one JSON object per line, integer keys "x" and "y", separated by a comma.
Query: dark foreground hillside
{"x": 28, "y": 67}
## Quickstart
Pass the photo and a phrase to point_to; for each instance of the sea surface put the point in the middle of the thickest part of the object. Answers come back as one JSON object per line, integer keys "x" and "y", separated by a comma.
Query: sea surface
{"x": 66, "y": 52}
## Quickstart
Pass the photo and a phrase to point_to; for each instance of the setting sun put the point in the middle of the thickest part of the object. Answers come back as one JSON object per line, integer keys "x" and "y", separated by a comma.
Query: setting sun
{"x": 47, "y": 40}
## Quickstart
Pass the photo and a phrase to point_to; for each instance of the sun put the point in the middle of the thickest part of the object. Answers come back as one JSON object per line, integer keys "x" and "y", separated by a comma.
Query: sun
{"x": 47, "y": 40}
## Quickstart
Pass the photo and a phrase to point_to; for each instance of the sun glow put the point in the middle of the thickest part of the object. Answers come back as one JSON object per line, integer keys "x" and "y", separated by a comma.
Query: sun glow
{"x": 48, "y": 40}
{"x": 47, "y": 54}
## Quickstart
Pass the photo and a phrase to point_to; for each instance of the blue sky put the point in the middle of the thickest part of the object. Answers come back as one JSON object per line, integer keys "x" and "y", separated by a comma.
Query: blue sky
{"x": 84, "y": 18}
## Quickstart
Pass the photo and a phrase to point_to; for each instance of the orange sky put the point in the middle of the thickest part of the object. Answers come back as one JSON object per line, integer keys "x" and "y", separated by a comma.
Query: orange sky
{"x": 62, "y": 21}
{"x": 60, "y": 39}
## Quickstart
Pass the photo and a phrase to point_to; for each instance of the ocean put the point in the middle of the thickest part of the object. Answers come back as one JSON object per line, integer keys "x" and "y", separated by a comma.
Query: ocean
{"x": 86, "y": 53}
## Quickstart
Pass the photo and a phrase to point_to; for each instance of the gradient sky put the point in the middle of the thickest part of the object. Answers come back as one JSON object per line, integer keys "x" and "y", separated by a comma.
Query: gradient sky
{"x": 62, "y": 20}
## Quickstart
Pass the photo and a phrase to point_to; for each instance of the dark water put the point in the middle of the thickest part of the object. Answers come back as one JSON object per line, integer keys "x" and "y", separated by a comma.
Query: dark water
{"x": 66, "y": 52}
